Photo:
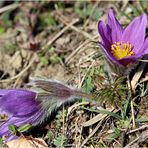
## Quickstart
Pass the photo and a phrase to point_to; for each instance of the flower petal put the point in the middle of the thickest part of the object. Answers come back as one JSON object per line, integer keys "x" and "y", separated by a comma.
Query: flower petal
{"x": 20, "y": 107}
{"x": 116, "y": 28}
{"x": 127, "y": 60}
{"x": 109, "y": 56}
{"x": 19, "y": 102}
{"x": 4, "y": 91}
{"x": 18, "y": 121}
{"x": 144, "y": 48}
{"x": 105, "y": 34}
{"x": 135, "y": 32}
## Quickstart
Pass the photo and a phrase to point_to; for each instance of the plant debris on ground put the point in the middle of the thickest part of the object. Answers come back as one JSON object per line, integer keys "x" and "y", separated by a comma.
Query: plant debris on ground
{"x": 59, "y": 40}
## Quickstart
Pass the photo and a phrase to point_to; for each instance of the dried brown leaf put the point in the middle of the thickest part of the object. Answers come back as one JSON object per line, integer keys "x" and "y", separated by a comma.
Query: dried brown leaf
{"x": 27, "y": 143}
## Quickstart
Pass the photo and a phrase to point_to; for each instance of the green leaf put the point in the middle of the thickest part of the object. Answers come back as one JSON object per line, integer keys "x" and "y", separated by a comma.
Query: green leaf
{"x": 136, "y": 10}
{"x": 12, "y": 129}
{"x": 50, "y": 20}
{"x": 123, "y": 123}
{"x": 24, "y": 128}
{"x": 124, "y": 109}
{"x": 44, "y": 60}
{"x": 96, "y": 14}
{"x": 115, "y": 134}
{"x": 50, "y": 135}
{"x": 144, "y": 5}
{"x": 142, "y": 120}
{"x": 1, "y": 142}
{"x": 88, "y": 84}
{"x": 54, "y": 59}
{"x": 2, "y": 30}
{"x": 101, "y": 144}
{"x": 59, "y": 140}
{"x": 6, "y": 19}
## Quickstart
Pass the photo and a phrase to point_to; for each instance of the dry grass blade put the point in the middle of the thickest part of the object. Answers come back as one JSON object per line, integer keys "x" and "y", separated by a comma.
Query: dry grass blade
{"x": 9, "y": 7}
{"x": 125, "y": 2}
{"x": 143, "y": 137}
{"x": 137, "y": 75}
{"x": 96, "y": 119}
{"x": 144, "y": 79}
{"x": 82, "y": 46}
{"x": 74, "y": 106}
{"x": 63, "y": 129}
{"x": 64, "y": 20}
{"x": 83, "y": 78}
{"x": 69, "y": 58}
{"x": 138, "y": 129}
{"x": 92, "y": 133}
{"x": 135, "y": 140}
{"x": 133, "y": 114}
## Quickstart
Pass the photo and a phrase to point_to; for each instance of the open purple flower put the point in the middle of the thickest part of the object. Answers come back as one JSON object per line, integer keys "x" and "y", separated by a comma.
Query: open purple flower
{"x": 33, "y": 106}
{"x": 123, "y": 46}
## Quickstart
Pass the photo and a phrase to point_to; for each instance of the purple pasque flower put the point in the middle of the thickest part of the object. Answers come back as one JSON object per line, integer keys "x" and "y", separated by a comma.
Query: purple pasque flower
{"x": 18, "y": 107}
{"x": 122, "y": 46}
{"x": 33, "y": 105}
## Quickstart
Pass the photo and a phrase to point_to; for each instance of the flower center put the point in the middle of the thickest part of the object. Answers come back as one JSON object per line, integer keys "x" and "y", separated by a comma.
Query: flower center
{"x": 120, "y": 50}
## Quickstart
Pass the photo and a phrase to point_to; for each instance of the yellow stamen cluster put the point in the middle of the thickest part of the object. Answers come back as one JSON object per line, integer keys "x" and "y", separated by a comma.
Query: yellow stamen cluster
{"x": 120, "y": 50}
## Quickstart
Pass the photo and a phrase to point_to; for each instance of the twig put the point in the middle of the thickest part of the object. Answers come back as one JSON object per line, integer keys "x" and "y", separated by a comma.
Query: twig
{"x": 21, "y": 73}
{"x": 138, "y": 129}
{"x": 141, "y": 60}
{"x": 63, "y": 130}
{"x": 133, "y": 116}
{"x": 118, "y": 142}
{"x": 74, "y": 107}
{"x": 79, "y": 73}
{"x": 88, "y": 57}
{"x": 3, "y": 75}
{"x": 68, "y": 59}
{"x": 9, "y": 7}
{"x": 92, "y": 133}
{"x": 84, "y": 44}
{"x": 64, "y": 20}
{"x": 82, "y": 80}
{"x": 60, "y": 33}
{"x": 18, "y": 79}
{"x": 127, "y": 146}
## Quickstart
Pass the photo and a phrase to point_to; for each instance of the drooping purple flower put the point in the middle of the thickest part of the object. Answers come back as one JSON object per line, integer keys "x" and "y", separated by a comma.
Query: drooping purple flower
{"x": 122, "y": 46}
{"x": 33, "y": 105}
{"x": 18, "y": 107}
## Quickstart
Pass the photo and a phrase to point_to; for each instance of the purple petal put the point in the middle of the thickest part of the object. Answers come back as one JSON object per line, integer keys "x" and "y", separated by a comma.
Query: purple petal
{"x": 109, "y": 56}
{"x": 4, "y": 91}
{"x": 116, "y": 28}
{"x": 127, "y": 60}
{"x": 19, "y": 102}
{"x": 105, "y": 34}
{"x": 144, "y": 48}
{"x": 21, "y": 107}
{"x": 135, "y": 32}
{"x": 33, "y": 120}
